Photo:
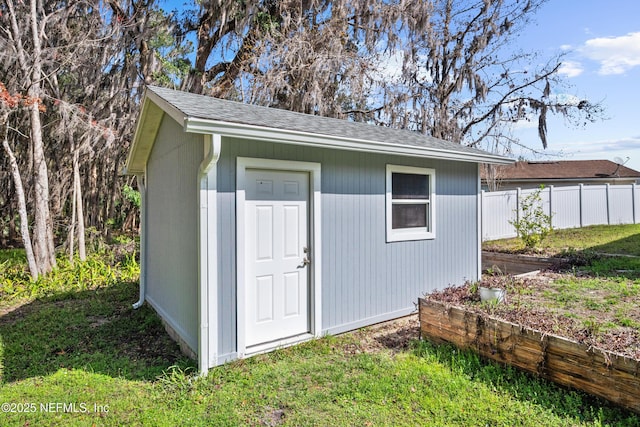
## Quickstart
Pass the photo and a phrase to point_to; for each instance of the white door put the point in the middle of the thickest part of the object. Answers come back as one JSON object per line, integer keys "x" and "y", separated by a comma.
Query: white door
{"x": 277, "y": 262}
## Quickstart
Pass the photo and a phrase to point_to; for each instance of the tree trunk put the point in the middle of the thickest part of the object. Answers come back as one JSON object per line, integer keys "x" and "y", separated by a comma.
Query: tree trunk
{"x": 43, "y": 227}
{"x": 72, "y": 226}
{"x": 44, "y": 250}
{"x": 22, "y": 208}
{"x": 77, "y": 191}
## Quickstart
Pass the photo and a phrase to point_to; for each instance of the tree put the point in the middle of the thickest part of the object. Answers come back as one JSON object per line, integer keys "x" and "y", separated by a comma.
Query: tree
{"x": 8, "y": 103}
{"x": 442, "y": 67}
{"x": 464, "y": 80}
{"x": 26, "y": 33}
{"x": 83, "y": 64}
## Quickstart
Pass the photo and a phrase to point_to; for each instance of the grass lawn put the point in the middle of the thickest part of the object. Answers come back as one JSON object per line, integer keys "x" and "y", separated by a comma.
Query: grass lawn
{"x": 74, "y": 352}
{"x": 610, "y": 239}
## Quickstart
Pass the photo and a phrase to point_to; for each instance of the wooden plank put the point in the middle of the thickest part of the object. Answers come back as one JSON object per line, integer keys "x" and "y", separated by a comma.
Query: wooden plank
{"x": 514, "y": 263}
{"x": 608, "y": 375}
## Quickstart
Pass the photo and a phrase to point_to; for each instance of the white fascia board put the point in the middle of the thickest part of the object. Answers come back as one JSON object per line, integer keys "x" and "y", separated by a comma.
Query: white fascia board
{"x": 168, "y": 108}
{"x": 130, "y": 168}
{"x": 153, "y": 108}
{"x": 197, "y": 125}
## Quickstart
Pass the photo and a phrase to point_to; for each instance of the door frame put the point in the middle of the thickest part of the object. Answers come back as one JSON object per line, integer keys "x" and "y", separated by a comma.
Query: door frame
{"x": 314, "y": 225}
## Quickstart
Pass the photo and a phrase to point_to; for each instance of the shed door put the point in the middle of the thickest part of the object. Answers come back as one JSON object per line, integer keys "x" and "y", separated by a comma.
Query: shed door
{"x": 277, "y": 276}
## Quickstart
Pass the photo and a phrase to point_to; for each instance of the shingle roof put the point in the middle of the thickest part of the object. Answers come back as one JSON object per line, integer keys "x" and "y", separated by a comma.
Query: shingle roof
{"x": 565, "y": 169}
{"x": 227, "y": 119}
{"x": 209, "y": 108}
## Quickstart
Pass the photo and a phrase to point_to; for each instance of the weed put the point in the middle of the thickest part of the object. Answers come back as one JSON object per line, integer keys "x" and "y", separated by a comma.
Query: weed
{"x": 176, "y": 380}
{"x": 592, "y": 325}
{"x": 16, "y": 284}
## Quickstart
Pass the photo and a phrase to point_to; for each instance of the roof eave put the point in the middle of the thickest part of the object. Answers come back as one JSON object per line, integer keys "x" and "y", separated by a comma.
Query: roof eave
{"x": 612, "y": 178}
{"x": 239, "y": 130}
{"x": 153, "y": 110}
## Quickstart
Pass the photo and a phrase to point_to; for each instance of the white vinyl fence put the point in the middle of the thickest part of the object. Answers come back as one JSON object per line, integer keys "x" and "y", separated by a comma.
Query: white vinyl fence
{"x": 569, "y": 207}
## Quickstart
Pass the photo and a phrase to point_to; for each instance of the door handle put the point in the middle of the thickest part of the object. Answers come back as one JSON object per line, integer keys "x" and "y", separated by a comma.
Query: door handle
{"x": 307, "y": 258}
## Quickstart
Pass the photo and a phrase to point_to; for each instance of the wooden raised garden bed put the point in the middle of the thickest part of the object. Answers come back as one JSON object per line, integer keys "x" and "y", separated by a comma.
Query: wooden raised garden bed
{"x": 515, "y": 263}
{"x": 605, "y": 374}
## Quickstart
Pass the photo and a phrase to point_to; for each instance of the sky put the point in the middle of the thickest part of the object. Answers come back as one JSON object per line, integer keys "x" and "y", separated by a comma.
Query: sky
{"x": 601, "y": 43}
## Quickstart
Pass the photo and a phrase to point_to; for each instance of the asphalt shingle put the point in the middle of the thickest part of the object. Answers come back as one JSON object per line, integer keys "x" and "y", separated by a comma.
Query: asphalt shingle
{"x": 209, "y": 108}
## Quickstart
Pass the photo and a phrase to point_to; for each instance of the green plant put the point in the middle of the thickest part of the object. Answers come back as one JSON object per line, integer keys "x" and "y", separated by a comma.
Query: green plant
{"x": 131, "y": 195}
{"x": 473, "y": 287}
{"x": 592, "y": 325}
{"x": 532, "y": 223}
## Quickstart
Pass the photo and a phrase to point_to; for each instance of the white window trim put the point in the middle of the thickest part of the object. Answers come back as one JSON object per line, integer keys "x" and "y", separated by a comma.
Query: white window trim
{"x": 417, "y": 233}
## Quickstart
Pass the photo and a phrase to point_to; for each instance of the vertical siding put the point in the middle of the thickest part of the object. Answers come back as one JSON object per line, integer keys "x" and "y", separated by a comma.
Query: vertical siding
{"x": 172, "y": 209}
{"x": 364, "y": 278}
{"x": 227, "y": 261}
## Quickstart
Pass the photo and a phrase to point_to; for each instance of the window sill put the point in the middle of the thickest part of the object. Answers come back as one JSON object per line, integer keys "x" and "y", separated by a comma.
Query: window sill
{"x": 409, "y": 235}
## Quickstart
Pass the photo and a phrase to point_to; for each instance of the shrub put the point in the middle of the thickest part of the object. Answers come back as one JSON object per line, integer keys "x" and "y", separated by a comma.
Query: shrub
{"x": 533, "y": 224}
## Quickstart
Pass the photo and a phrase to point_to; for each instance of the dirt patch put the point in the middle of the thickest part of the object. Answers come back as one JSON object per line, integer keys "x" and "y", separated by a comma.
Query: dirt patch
{"x": 395, "y": 335}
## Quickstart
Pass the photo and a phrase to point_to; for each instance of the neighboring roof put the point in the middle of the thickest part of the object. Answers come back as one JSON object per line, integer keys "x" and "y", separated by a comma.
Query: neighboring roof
{"x": 208, "y": 115}
{"x": 564, "y": 170}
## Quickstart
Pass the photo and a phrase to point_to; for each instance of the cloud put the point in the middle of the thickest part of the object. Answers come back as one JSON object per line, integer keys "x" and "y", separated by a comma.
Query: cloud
{"x": 603, "y": 149}
{"x": 571, "y": 69}
{"x": 565, "y": 98}
{"x": 390, "y": 66}
{"x": 616, "y": 55}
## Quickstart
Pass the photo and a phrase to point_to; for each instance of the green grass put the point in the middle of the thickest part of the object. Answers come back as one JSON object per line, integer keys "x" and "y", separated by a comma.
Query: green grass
{"x": 610, "y": 239}
{"x": 13, "y": 256}
{"x": 77, "y": 342}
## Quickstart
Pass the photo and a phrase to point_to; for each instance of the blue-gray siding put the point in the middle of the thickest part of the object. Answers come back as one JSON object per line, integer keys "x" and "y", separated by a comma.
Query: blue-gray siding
{"x": 171, "y": 228}
{"x": 364, "y": 278}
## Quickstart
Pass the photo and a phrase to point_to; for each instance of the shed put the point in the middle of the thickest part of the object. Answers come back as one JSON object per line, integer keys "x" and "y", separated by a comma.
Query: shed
{"x": 262, "y": 228}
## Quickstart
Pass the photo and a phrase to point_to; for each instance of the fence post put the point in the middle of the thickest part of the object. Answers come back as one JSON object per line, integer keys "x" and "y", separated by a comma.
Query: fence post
{"x": 482, "y": 215}
{"x": 634, "y": 202}
{"x": 608, "y": 204}
{"x": 581, "y": 208}
{"x": 551, "y": 204}
{"x": 480, "y": 226}
{"x": 518, "y": 196}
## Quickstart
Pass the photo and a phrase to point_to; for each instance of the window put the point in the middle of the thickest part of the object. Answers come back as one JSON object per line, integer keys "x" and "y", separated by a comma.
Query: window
{"x": 410, "y": 203}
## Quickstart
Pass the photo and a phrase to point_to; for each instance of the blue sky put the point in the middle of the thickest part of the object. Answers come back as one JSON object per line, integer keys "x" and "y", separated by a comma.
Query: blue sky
{"x": 601, "y": 40}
